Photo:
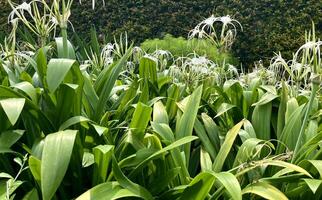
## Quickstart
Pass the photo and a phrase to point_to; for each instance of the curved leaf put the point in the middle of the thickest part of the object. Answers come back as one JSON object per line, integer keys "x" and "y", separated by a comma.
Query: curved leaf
{"x": 265, "y": 190}
{"x": 56, "y": 155}
{"x": 57, "y": 69}
{"x": 12, "y": 107}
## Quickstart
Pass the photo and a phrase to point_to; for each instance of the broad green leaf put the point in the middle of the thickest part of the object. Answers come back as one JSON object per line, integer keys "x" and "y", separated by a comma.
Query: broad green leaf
{"x": 313, "y": 184}
{"x": 246, "y": 151}
{"x": 199, "y": 187}
{"x": 164, "y": 131}
{"x": 291, "y": 130}
{"x": 56, "y": 156}
{"x": 282, "y": 111}
{"x": 88, "y": 159}
{"x": 261, "y": 120}
{"x": 12, "y": 107}
{"x": 100, "y": 129}
{"x": 207, "y": 145}
{"x": 60, "y": 48}
{"x": 9, "y": 138}
{"x": 174, "y": 145}
{"x": 35, "y": 168}
{"x": 231, "y": 184}
{"x": 203, "y": 182}
{"x": 147, "y": 69}
{"x": 317, "y": 164}
{"x": 224, "y": 107}
{"x": 108, "y": 190}
{"x": 102, "y": 158}
{"x": 289, "y": 166}
{"x": 212, "y": 131}
{"x": 127, "y": 183}
{"x": 186, "y": 122}
{"x": 173, "y": 96}
{"x": 140, "y": 119}
{"x": 264, "y": 190}
{"x": 205, "y": 161}
{"x": 226, "y": 147}
{"x": 159, "y": 113}
{"x": 291, "y": 106}
{"x": 248, "y": 127}
{"x": 269, "y": 88}
{"x": 57, "y": 69}
{"x": 108, "y": 79}
{"x": 163, "y": 181}
{"x": 5, "y": 175}
{"x": 265, "y": 99}
{"x": 27, "y": 88}
{"x": 73, "y": 121}
{"x": 31, "y": 195}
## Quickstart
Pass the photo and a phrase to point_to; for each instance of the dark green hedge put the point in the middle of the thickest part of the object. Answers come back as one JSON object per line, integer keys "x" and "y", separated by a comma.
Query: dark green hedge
{"x": 4, "y": 12}
{"x": 269, "y": 25}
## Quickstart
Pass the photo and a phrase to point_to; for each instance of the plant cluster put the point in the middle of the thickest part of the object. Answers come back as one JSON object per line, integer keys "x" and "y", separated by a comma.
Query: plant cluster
{"x": 115, "y": 122}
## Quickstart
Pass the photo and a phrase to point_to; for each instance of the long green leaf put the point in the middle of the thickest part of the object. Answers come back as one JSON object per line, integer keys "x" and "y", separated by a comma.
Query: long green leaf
{"x": 108, "y": 190}
{"x": 57, "y": 69}
{"x": 226, "y": 147}
{"x": 56, "y": 156}
{"x": 265, "y": 190}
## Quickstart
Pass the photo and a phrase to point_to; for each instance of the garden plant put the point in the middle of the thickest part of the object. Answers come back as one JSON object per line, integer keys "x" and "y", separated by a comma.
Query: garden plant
{"x": 89, "y": 121}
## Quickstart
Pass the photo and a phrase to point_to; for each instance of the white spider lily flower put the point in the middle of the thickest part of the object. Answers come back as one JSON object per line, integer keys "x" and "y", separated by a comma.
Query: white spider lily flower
{"x": 206, "y": 29}
{"x": 232, "y": 69}
{"x": 160, "y": 52}
{"x": 226, "y": 20}
{"x": 19, "y": 10}
{"x": 310, "y": 47}
{"x": 54, "y": 20}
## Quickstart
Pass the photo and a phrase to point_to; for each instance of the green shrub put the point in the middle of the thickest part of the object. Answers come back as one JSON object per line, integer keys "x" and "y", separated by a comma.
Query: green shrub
{"x": 269, "y": 26}
{"x": 182, "y": 47}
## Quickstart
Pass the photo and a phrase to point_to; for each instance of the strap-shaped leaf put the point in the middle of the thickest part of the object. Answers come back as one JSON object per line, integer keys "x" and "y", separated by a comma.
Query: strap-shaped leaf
{"x": 226, "y": 146}
{"x": 56, "y": 155}
{"x": 108, "y": 190}
{"x": 200, "y": 186}
{"x": 57, "y": 69}
{"x": 265, "y": 190}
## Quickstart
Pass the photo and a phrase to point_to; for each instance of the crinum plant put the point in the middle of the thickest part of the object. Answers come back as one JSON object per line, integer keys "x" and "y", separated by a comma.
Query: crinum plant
{"x": 303, "y": 68}
{"x": 42, "y": 18}
{"x": 222, "y": 38}
{"x": 36, "y": 17}
{"x": 193, "y": 70}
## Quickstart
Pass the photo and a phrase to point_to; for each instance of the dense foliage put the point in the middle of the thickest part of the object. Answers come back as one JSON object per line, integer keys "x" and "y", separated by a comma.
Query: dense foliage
{"x": 183, "y": 47}
{"x": 114, "y": 122}
{"x": 269, "y": 26}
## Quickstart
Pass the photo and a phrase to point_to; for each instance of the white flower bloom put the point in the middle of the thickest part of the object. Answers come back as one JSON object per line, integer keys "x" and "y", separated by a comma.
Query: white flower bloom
{"x": 19, "y": 11}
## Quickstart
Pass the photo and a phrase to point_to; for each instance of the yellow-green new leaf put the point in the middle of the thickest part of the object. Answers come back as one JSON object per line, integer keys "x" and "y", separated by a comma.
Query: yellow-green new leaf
{"x": 108, "y": 190}
{"x": 265, "y": 190}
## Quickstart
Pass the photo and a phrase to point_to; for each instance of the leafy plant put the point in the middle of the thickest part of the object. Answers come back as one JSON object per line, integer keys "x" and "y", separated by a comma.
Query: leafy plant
{"x": 72, "y": 128}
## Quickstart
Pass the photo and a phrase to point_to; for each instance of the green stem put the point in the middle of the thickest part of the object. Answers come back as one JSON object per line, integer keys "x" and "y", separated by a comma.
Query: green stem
{"x": 306, "y": 116}
{"x": 65, "y": 47}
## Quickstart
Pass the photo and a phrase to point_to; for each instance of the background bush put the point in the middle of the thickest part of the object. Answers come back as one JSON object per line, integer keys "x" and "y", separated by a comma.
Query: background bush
{"x": 182, "y": 47}
{"x": 269, "y": 25}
